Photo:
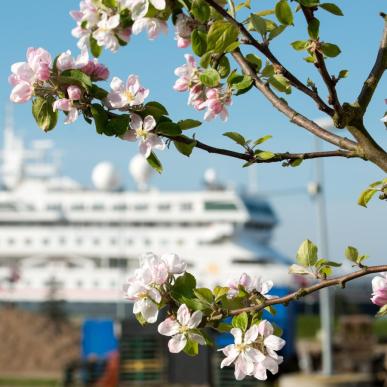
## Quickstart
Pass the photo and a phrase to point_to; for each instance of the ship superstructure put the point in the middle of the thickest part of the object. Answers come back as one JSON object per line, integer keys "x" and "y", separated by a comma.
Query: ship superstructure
{"x": 87, "y": 240}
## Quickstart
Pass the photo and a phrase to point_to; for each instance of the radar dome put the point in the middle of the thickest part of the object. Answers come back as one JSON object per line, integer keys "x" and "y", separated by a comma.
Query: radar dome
{"x": 105, "y": 177}
{"x": 210, "y": 176}
{"x": 140, "y": 171}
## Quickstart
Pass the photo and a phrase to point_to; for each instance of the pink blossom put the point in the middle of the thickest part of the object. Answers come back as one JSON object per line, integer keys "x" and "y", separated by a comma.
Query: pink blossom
{"x": 142, "y": 131}
{"x": 96, "y": 71}
{"x": 129, "y": 94}
{"x": 40, "y": 62}
{"x": 379, "y": 289}
{"x": 216, "y": 104}
{"x": 186, "y": 74}
{"x": 105, "y": 33}
{"x": 74, "y": 92}
{"x": 182, "y": 42}
{"x": 153, "y": 25}
{"x": 182, "y": 329}
{"x": 66, "y": 61}
{"x": 249, "y": 284}
{"x": 139, "y": 8}
{"x": 66, "y": 105}
{"x": 22, "y": 92}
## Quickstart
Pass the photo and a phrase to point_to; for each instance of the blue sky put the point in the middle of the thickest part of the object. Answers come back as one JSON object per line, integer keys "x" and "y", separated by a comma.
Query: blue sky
{"x": 46, "y": 23}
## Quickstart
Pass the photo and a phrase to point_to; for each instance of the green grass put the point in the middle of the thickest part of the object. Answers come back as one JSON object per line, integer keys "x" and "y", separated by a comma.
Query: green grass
{"x": 307, "y": 327}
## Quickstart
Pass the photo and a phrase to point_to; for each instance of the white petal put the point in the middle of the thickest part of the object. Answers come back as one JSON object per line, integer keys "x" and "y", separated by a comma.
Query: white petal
{"x": 155, "y": 142}
{"x": 149, "y": 123}
{"x": 251, "y": 334}
{"x": 237, "y": 333}
{"x": 149, "y": 310}
{"x": 169, "y": 327}
{"x": 274, "y": 342}
{"x": 177, "y": 343}
{"x": 232, "y": 354}
{"x": 116, "y": 99}
{"x": 145, "y": 149}
{"x": 260, "y": 372}
{"x": 195, "y": 319}
{"x": 158, "y": 4}
{"x": 271, "y": 364}
{"x": 183, "y": 315}
{"x": 265, "y": 328}
{"x": 129, "y": 135}
{"x": 254, "y": 355}
{"x": 135, "y": 121}
{"x": 198, "y": 338}
{"x": 71, "y": 116}
{"x": 117, "y": 84}
{"x": 266, "y": 287}
{"x": 239, "y": 370}
{"x": 113, "y": 22}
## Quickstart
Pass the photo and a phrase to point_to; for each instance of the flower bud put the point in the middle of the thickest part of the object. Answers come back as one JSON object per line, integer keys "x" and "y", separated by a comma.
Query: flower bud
{"x": 74, "y": 92}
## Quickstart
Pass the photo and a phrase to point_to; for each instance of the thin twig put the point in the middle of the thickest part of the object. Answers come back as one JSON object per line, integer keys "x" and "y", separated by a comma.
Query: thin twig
{"x": 342, "y": 280}
{"x": 264, "y": 49}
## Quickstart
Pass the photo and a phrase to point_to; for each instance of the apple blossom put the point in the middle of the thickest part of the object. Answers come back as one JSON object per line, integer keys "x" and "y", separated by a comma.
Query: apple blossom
{"x": 65, "y": 60}
{"x": 182, "y": 329}
{"x": 74, "y": 92}
{"x": 139, "y": 8}
{"x": 174, "y": 263}
{"x": 216, "y": 103}
{"x": 22, "y": 92}
{"x": 379, "y": 290}
{"x": 242, "y": 352}
{"x": 66, "y": 105}
{"x": 96, "y": 71}
{"x": 142, "y": 130}
{"x": 153, "y": 25}
{"x": 105, "y": 33}
{"x": 250, "y": 284}
{"x": 129, "y": 94}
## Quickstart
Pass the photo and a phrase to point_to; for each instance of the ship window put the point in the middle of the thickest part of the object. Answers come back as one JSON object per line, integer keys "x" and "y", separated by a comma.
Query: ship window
{"x": 79, "y": 284}
{"x": 113, "y": 241}
{"x": 163, "y": 242}
{"x": 7, "y": 207}
{"x": 78, "y": 241}
{"x": 96, "y": 241}
{"x": 96, "y": 284}
{"x": 113, "y": 284}
{"x": 98, "y": 207}
{"x": 219, "y": 206}
{"x": 254, "y": 261}
{"x": 186, "y": 206}
{"x": 164, "y": 207}
{"x": 54, "y": 207}
{"x": 118, "y": 263}
{"x": 180, "y": 242}
{"x": 11, "y": 241}
{"x": 27, "y": 241}
{"x": 45, "y": 241}
{"x": 141, "y": 207}
{"x": 120, "y": 207}
{"x": 129, "y": 241}
{"x": 77, "y": 207}
{"x": 147, "y": 242}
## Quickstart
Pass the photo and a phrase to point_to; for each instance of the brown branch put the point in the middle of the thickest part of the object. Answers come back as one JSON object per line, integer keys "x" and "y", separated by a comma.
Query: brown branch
{"x": 376, "y": 73}
{"x": 342, "y": 280}
{"x": 280, "y": 68}
{"x": 277, "y": 158}
{"x": 288, "y": 111}
{"x": 322, "y": 68}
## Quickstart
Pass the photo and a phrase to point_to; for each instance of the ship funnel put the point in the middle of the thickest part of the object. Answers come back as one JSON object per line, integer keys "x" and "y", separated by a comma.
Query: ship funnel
{"x": 140, "y": 171}
{"x": 105, "y": 177}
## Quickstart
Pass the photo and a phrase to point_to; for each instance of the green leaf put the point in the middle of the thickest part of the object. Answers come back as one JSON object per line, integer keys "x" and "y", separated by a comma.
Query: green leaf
{"x": 184, "y": 285}
{"x": 280, "y": 83}
{"x": 238, "y": 138}
{"x": 100, "y": 117}
{"x": 254, "y": 61}
{"x": 241, "y": 83}
{"x": 343, "y": 74}
{"x": 219, "y": 292}
{"x": 284, "y": 12}
{"x": 140, "y": 319}
{"x": 43, "y": 113}
{"x": 168, "y": 129}
{"x": 95, "y": 49}
{"x": 224, "y": 67}
{"x": 299, "y": 45}
{"x": 240, "y": 321}
{"x": 193, "y": 303}
{"x": 191, "y": 348}
{"x": 199, "y": 42}
{"x": 261, "y": 140}
{"x": 366, "y": 196}
{"x": 296, "y": 162}
{"x": 204, "y": 295}
{"x": 382, "y": 311}
{"x": 258, "y": 24}
{"x": 185, "y": 148}
{"x": 351, "y": 253}
{"x": 332, "y": 8}
{"x": 309, "y": 3}
{"x": 276, "y": 31}
{"x": 223, "y": 327}
{"x": 77, "y": 77}
{"x": 307, "y": 253}
{"x": 154, "y": 162}
{"x": 118, "y": 125}
{"x": 200, "y": 10}
{"x": 188, "y": 124}
{"x": 361, "y": 259}
{"x": 110, "y": 3}
{"x": 333, "y": 264}
{"x": 158, "y": 106}
{"x": 220, "y": 35}
{"x": 98, "y": 92}
{"x": 265, "y": 155}
{"x": 205, "y": 59}
{"x": 330, "y": 50}
{"x": 313, "y": 28}
{"x": 300, "y": 270}
{"x": 268, "y": 70}
{"x": 210, "y": 78}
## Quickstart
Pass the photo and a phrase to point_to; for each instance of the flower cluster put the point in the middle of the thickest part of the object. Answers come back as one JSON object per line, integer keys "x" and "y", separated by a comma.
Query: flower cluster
{"x": 249, "y": 285}
{"x": 379, "y": 290}
{"x": 214, "y": 99}
{"x": 111, "y": 27}
{"x": 149, "y": 284}
{"x": 254, "y": 351}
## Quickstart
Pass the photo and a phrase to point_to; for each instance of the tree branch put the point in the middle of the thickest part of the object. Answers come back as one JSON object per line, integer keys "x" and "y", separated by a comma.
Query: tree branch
{"x": 277, "y": 158}
{"x": 322, "y": 68}
{"x": 342, "y": 280}
{"x": 293, "y": 115}
{"x": 280, "y": 68}
{"x": 376, "y": 73}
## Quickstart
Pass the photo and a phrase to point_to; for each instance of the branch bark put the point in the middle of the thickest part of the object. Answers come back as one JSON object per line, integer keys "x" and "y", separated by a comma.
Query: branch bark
{"x": 288, "y": 111}
{"x": 284, "y": 156}
{"x": 264, "y": 49}
{"x": 376, "y": 73}
{"x": 342, "y": 280}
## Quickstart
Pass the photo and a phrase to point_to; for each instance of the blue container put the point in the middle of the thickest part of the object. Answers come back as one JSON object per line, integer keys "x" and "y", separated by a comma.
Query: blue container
{"x": 98, "y": 338}
{"x": 285, "y": 318}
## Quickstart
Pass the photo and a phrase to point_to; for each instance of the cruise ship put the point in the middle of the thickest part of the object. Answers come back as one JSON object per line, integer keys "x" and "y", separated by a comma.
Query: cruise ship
{"x": 86, "y": 240}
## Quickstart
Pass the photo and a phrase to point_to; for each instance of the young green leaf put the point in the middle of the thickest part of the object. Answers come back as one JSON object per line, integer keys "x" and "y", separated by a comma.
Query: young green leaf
{"x": 284, "y": 12}
{"x": 188, "y": 124}
{"x": 300, "y": 270}
{"x": 330, "y": 50}
{"x": 185, "y": 148}
{"x": 238, "y": 138}
{"x": 351, "y": 253}
{"x": 240, "y": 321}
{"x": 276, "y": 31}
{"x": 261, "y": 140}
{"x": 220, "y": 35}
{"x": 265, "y": 155}
{"x": 307, "y": 253}
{"x": 313, "y": 28}
{"x": 100, "y": 117}
{"x": 95, "y": 49}
{"x": 254, "y": 61}
{"x": 366, "y": 196}
{"x": 117, "y": 126}
{"x": 168, "y": 129}
{"x": 332, "y": 8}
{"x": 299, "y": 45}
{"x": 200, "y": 10}
{"x": 155, "y": 163}
{"x": 296, "y": 162}
{"x": 204, "y": 295}
{"x": 258, "y": 24}
{"x": 43, "y": 113}
{"x": 199, "y": 42}
{"x": 191, "y": 348}
{"x": 210, "y": 78}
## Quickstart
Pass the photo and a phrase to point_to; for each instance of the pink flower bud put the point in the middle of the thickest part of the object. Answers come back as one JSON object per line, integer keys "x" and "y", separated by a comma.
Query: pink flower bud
{"x": 43, "y": 72}
{"x": 22, "y": 92}
{"x": 101, "y": 73}
{"x": 183, "y": 43}
{"x": 74, "y": 92}
{"x": 63, "y": 104}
